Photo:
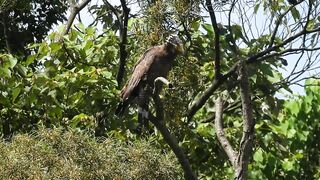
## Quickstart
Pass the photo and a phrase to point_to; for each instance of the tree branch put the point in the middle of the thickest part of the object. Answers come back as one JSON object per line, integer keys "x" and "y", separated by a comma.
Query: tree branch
{"x": 234, "y": 45}
{"x": 278, "y": 22}
{"x": 206, "y": 94}
{"x": 246, "y": 144}
{"x": 159, "y": 123}
{"x": 216, "y": 39}
{"x": 227, "y": 147}
{"x": 75, "y": 9}
{"x": 123, "y": 41}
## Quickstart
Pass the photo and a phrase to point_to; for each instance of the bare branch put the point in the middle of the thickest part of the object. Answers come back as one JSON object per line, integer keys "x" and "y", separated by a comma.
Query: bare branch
{"x": 227, "y": 147}
{"x": 173, "y": 143}
{"x": 205, "y": 96}
{"x": 216, "y": 39}
{"x": 234, "y": 45}
{"x": 278, "y": 22}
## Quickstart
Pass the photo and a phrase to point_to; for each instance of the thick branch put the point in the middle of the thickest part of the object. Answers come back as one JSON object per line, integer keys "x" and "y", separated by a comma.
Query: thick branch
{"x": 246, "y": 144}
{"x": 227, "y": 147}
{"x": 123, "y": 41}
{"x": 216, "y": 39}
{"x": 159, "y": 123}
{"x": 75, "y": 9}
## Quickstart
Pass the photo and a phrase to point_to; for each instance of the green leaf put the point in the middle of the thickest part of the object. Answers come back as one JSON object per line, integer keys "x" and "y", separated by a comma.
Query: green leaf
{"x": 208, "y": 28}
{"x": 256, "y": 8}
{"x": 55, "y": 47}
{"x": 15, "y": 93}
{"x": 30, "y": 59}
{"x": 237, "y": 31}
{"x": 311, "y": 24}
{"x": 195, "y": 25}
{"x": 266, "y": 69}
{"x": 294, "y": 107}
{"x": 287, "y": 165}
{"x": 206, "y": 130}
{"x": 295, "y": 14}
{"x": 258, "y": 155}
{"x": 5, "y": 72}
{"x": 90, "y": 31}
{"x": 291, "y": 133}
{"x": 284, "y": 127}
{"x": 106, "y": 74}
{"x": 77, "y": 119}
{"x": 13, "y": 61}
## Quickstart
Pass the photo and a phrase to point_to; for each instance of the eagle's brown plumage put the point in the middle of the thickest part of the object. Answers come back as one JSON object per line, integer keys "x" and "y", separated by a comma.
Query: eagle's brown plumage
{"x": 155, "y": 62}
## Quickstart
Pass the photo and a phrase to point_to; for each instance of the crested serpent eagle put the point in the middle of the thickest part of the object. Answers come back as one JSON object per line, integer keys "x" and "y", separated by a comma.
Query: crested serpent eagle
{"x": 156, "y": 62}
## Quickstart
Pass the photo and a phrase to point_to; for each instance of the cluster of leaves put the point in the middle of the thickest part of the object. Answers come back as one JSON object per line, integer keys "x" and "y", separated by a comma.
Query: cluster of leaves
{"x": 72, "y": 82}
{"x": 289, "y": 143}
{"x": 71, "y": 154}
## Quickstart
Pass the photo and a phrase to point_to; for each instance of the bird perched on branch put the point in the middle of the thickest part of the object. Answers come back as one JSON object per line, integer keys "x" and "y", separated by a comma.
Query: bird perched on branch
{"x": 156, "y": 62}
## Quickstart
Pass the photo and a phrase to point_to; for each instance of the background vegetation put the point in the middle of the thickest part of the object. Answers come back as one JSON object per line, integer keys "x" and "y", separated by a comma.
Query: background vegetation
{"x": 70, "y": 154}
{"x": 70, "y": 76}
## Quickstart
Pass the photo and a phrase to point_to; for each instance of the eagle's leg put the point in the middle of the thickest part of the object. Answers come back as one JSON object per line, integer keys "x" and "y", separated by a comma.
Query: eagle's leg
{"x": 143, "y": 119}
{"x": 143, "y": 109}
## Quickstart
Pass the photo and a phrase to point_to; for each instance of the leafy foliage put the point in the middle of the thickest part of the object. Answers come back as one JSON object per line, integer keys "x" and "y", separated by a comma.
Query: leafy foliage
{"x": 69, "y": 81}
{"x": 293, "y": 136}
{"x": 59, "y": 154}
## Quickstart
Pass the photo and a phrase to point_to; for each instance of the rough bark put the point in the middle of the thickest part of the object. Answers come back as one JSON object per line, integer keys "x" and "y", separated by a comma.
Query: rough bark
{"x": 246, "y": 144}
{"x": 218, "y": 123}
{"x": 123, "y": 41}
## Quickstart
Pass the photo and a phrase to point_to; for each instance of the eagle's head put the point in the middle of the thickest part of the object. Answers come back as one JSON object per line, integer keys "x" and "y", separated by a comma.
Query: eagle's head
{"x": 176, "y": 43}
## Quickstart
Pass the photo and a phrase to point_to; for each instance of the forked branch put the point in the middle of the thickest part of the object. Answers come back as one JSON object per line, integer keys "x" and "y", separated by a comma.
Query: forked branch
{"x": 75, "y": 9}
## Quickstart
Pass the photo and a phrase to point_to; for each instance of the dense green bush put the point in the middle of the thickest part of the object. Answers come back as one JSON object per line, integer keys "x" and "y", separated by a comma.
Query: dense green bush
{"x": 60, "y": 154}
